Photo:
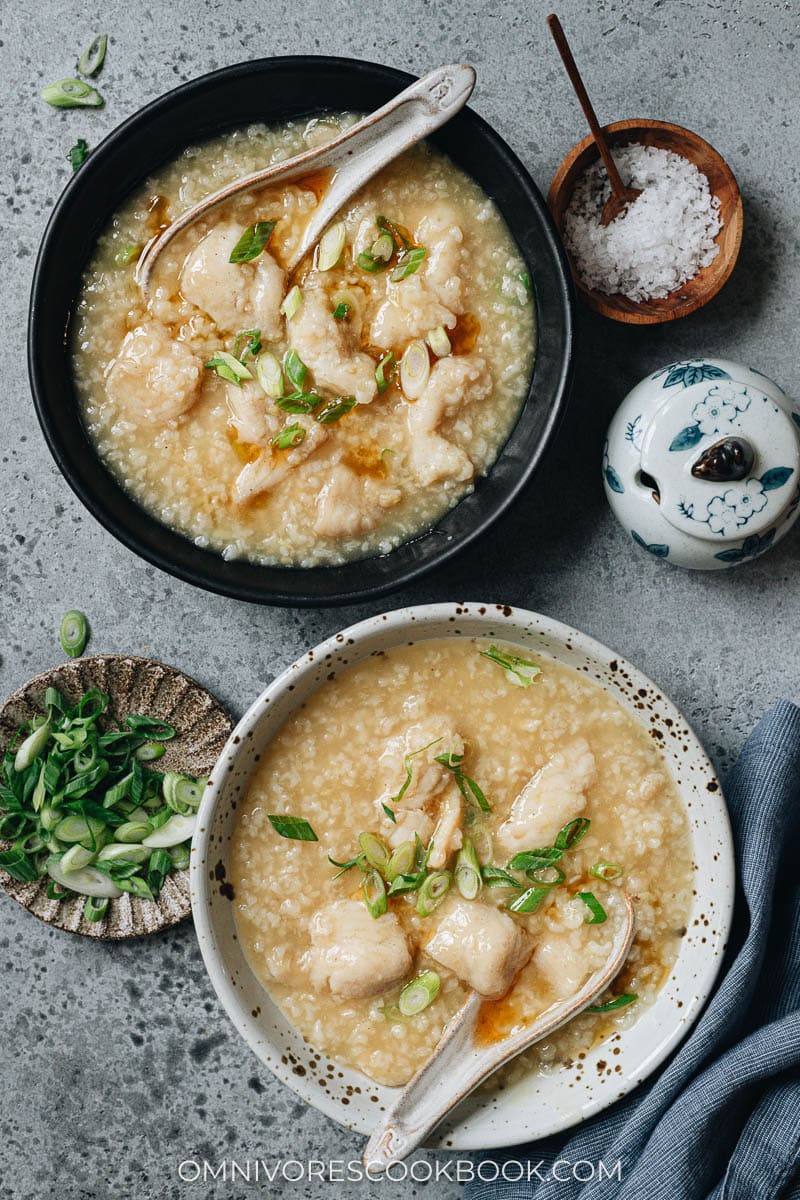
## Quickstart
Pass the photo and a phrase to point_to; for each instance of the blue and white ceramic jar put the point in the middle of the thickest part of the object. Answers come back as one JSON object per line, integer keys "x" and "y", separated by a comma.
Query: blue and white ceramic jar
{"x": 702, "y": 463}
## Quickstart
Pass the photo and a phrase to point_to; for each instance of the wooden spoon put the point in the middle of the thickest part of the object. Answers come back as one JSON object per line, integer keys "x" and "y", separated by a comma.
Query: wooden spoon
{"x": 621, "y": 196}
{"x": 461, "y": 1061}
{"x": 351, "y": 159}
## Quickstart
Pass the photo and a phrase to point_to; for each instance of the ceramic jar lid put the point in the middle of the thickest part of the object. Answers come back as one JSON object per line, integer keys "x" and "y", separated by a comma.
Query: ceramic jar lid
{"x": 702, "y": 463}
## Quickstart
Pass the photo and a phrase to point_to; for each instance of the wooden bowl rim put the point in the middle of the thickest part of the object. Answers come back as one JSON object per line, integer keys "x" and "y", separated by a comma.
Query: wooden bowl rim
{"x": 604, "y": 303}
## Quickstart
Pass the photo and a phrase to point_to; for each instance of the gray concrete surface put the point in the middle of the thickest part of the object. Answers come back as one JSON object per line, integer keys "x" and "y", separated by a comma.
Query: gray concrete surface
{"x": 116, "y": 1061}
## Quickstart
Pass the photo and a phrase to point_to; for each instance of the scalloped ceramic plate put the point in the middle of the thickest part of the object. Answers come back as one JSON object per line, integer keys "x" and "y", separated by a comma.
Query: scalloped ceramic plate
{"x": 134, "y": 685}
{"x": 537, "y": 1105}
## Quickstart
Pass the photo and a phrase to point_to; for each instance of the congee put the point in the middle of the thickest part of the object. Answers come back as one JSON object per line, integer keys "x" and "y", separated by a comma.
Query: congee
{"x": 312, "y": 416}
{"x": 451, "y": 815}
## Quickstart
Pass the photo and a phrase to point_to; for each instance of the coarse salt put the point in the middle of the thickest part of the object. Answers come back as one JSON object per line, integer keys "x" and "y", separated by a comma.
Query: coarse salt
{"x": 662, "y": 239}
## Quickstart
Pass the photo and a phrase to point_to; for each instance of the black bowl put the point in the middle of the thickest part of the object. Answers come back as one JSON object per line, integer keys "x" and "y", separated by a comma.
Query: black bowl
{"x": 275, "y": 90}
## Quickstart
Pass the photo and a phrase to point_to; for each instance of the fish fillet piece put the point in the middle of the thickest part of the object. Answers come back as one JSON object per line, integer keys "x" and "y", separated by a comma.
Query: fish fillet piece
{"x": 355, "y": 954}
{"x": 550, "y": 799}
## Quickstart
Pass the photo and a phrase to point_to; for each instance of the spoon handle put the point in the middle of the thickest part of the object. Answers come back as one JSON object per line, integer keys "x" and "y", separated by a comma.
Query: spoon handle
{"x": 461, "y": 1062}
{"x": 560, "y": 39}
{"x": 360, "y": 153}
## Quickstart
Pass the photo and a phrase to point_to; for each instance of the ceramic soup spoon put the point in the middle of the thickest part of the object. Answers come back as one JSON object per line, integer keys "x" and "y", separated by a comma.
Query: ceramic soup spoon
{"x": 352, "y": 159}
{"x": 462, "y": 1061}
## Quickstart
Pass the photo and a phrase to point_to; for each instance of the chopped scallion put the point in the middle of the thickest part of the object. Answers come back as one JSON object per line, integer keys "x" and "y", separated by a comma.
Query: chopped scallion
{"x": 419, "y": 993}
{"x": 598, "y": 913}
{"x": 521, "y": 672}
{"x": 497, "y": 877}
{"x": 385, "y": 372}
{"x": 402, "y": 861}
{"x": 432, "y": 892}
{"x": 341, "y": 310}
{"x": 467, "y": 873}
{"x": 288, "y": 437}
{"x": 270, "y": 375}
{"x": 572, "y": 833}
{"x": 530, "y": 900}
{"x": 331, "y": 245}
{"x": 334, "y": 410}
{"x": 252, "y": 241}
{"x": 415, "y": 369}
{"x": 247, "y": 342}
{"x": 228, "y": 367}
{"x": 72, "y": 93}
{"x": 375, "y": 851}
{"x": 439, "y": 342}
{"x": 95, "y": 909}
{"x": 73, "y": 633}
{"x": 78, "y": 154}
{"x": 374, "y": 892}
{"x": 292, "y": 302}
{"x": 93, "y": 56}
{"x": 296, "y": 828}
{"x": 408, "y": 262}
{"x": 618, "y": 1002}
{"x": 606, "y": 871}
{"x": 295, "y": 369}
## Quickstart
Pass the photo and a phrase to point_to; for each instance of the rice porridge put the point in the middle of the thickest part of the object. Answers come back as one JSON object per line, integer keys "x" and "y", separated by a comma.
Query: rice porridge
{"x": 312, "y": 416}
{"x": 477, "y": 823}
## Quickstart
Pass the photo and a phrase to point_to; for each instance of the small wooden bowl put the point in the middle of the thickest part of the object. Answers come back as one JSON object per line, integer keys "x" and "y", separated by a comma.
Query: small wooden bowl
{"x": 695, "y": 292}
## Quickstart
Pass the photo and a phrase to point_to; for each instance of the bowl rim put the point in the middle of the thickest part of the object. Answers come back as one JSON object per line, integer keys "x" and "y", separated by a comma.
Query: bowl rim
{"x": 601, "y": 302}
{"x": 399, "y": 624}
{"x": 205, "y": 576}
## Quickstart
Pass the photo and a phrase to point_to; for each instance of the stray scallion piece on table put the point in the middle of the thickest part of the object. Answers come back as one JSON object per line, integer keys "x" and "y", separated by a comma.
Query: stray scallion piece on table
{"x": 72, "y": 93}
{"x": 73, "y": 633}
{"x": 79, "y": 807}
{"x": 91, "y": 61}
{"x": 78, "y": 154}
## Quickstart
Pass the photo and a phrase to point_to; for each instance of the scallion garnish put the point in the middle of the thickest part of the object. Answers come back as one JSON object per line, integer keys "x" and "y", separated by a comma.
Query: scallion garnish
{"x": 331, "y": 245}
{"x": 399, "y": 235}
{"x": 530, "y": 899}
{"x": 150, "y": 751}
{"x": 270, "y": 375}
{"x": 497, "y": 877}
{"x": 296, "y": 828}
{"x": 80, "y": 808}
{"x": 598, "y": 913}
{"x": 407, "y": 763}
{"x": 606, "y": 871}
{"x": 572, "y": 833}
{"x": 345, "y": 866}
{"x": 467, "y": 874}
{"x": 228, "y": 367}
{"x": 468, "y": 787}
{"x": 439, "y": 342}
{"x": 375, "y": 851}
{"x": 288, "y": 437}
{"x": 548, "y": 876}
{"x": 299, "y": 402}
{"x": 389, "y": 812}
{"x": 385, "y": 372}
{"x": 252, "y": 241}
{"x": 182, "y": 793}
{"x": 373, "y": 890}
{"x": 408, "y": 262}
{"x": 93, "y": 56}
{"x": 419, "y": 993}
{"x": 521, "y": 672}
{"x": 247, "y": 342}
{"x": 73, "y": 633}
{"x": 126, "y": 255}
{"x": 367, "y": 263}
{"x": 382, "y": 248}
{"x": 78, "y": 154}
{"x": 415, "y": 369}
{"x": 402, "y": 861}
{"x": 534, "y": 860}
{"x": 72, "y": 93}
{"x": 334, "y": 410}
{"x": 95, "y": 909}
{"x": 433, "y": 891}
{"x": 618, "y": 1002}
{"x": 295, "y": 369}
{"x": 292, "y": 302}
{"x": 340, "y": 311}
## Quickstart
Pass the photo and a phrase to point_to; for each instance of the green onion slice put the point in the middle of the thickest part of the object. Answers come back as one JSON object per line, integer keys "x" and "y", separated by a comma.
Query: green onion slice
{"x": 95, "y": 909}
{"x": 183, "y": 793}
{"x": 177, "y": 829}
{"x": 334, "y": 410}
{"x": 374, "y": 891}
{"x": 247, "y": 342}
{"x": 408, "y": 262}
{"x": 156, "y": 729}
{"x": 331, "y": 245}
{"x": 73, "y": 633}
{"x": 618, "y": 1002}
{"x": 415, "y": 369}
{"x": 439, "y": 342}
{"x": 72, "y": 93}
{"x": 402, "y": 861}
{"x": 419, "y": 993}
{"x": 433, "y": 891}
{"x": 295, "y": 369}
{"x": 252, "y": 241}
{"x": 572, "y": 833}
{"x": 598, "y": 913}
{"x": 606, "y": 871}
{"x": 340, "y": 311}
{"x": 17, "y": 863}
{"x": 77, "y": 154}
{"x": 344, "y": 867}
{"x": 150, "y": 751}
{"x": 520, "y": 672}
{"x": 270, "y": 375}
{"x": 228, "y": 367}
{"x": 296, "y": 828}
{"x": 367, "y": 263}
{"x": 533, "y": 860}
{"x": 467, "y": 874}
{"x": 33, "y": 745}
{"x": 497, "y": 877}
{"x": 127, "y": 254}
{"x": 548, "y": 876}
{"x": 93, "y": 56}
{"x": 292, "y": 302}
{"x": 385, "y": 372}
{"x": 375, "y": 851}
{"x": 382, "y": 248}
{"x": 407, "y": 763}
{"x": 180, "y": 855}
{"x": 400, "y": 238}
{"x": 389, "y": 812}
{"x": 300, "y": 403}
{"x": 530, "y": 899}
{"x": 288, "y": 437}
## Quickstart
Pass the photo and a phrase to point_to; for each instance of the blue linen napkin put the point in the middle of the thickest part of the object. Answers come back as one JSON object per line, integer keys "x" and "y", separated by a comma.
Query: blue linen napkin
{"x": 721, "y": 1121}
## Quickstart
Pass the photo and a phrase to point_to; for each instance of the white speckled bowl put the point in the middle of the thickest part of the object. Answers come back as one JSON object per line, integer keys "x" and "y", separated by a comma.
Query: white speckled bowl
{"x": 538, "y": 1105}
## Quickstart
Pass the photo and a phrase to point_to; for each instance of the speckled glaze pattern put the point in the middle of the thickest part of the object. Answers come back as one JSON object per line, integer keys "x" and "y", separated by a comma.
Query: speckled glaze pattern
{"x": 538, "y": 1105}
{"x": 134, "y": 685}
{"x": 666, "y": 423}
